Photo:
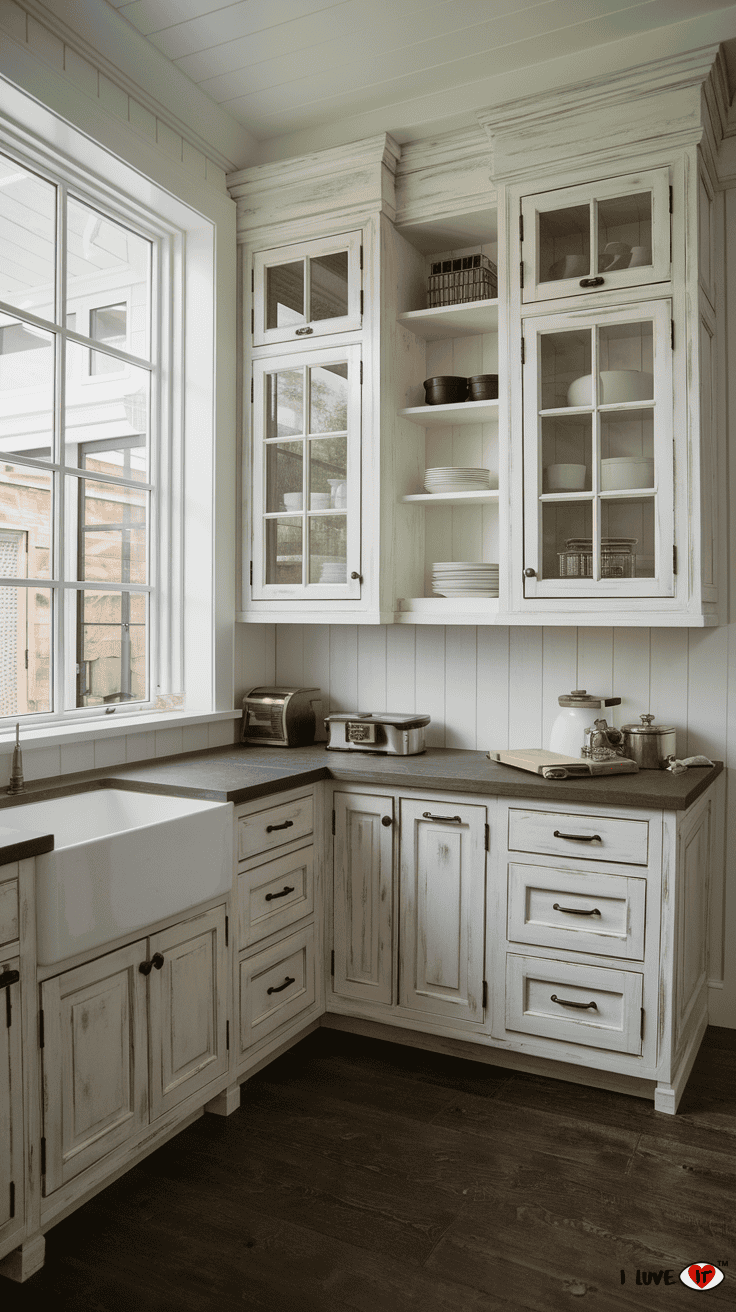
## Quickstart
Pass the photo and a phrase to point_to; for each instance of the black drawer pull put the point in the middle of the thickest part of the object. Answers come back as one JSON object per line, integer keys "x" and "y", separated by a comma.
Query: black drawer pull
{"x": 579, "y": 838}
{"x": 302, "y": 332}
{"x": 565, "y": 1002}
{"x": 286, "y": 825}
{"x": 575, "y": 911}
{"x": 448, "y": 819}
{"x": 271, "y": 896}
{"x": 147, "y": 966}
{"x": 9, "y": 977}
{"x": 290, "y": 979}
{"x": 592, "y": 282}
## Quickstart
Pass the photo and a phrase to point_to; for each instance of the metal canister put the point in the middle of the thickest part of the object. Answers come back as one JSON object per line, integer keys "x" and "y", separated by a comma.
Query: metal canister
{"x": 650, "y": 745}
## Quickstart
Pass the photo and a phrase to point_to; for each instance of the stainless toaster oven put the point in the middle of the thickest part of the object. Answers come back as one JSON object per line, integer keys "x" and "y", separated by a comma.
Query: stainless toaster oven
{"x": 281, "y": 717}
{"x": 385, "y": 733}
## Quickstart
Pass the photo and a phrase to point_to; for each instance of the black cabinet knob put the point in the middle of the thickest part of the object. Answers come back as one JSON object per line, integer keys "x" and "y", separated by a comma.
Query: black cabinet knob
{"x": 386, "y": 820}
{"x": 356, "y": 575}
{"x": 530, "y": 573}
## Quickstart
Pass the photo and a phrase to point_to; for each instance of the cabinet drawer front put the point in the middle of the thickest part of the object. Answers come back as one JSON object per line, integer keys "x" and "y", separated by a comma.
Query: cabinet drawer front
{"x": 275, "y": 985}
{"x": 578, "y": 912}
{"x": 607, "y": 1010}
{"x": 8, "y": 910}
{"x": 275, "y": 895}
{"x": 579, "y": 837}
{"x": 263, "y": 830}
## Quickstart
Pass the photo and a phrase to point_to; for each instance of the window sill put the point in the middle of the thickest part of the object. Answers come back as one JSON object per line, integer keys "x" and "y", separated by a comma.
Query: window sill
{"x": 111, "y": 727}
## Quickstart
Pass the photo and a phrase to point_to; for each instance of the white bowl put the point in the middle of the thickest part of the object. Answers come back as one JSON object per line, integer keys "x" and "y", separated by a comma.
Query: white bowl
{"x": 565, "y": 478}
{"x": 615, "y": 385}
{"x": 293, "y": 500}
{"x": 319, "y": 501}
{"x": 626, "y": 471}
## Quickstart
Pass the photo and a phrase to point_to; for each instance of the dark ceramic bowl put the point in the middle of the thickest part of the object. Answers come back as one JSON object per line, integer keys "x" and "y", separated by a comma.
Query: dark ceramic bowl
{"x": 446, "y": 389}
{"x": 483, "y": 387}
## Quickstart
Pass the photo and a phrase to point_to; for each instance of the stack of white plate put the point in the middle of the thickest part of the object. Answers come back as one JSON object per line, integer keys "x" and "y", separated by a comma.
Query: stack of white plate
{"x": 334, "y": 571}
{"x": 464, "y": 578}
{"x": 455, "y": 479}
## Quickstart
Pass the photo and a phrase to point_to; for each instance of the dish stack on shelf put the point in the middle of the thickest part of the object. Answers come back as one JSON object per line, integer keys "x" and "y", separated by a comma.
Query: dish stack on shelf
{"x": 452, "y": 479}
{"x": 334, "y": 571}
{"x": 464, "y": 578}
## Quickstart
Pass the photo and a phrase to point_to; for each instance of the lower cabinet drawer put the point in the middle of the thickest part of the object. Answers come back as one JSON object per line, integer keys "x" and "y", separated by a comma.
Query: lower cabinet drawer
{"x": 600, "y": 1008}
{"x": 275, "y": 985}
{"x": 579, "y": 911}
{"x": 259, "y": 831}
{"x": 275, "y": 894}
{"x": 567, "y": 834}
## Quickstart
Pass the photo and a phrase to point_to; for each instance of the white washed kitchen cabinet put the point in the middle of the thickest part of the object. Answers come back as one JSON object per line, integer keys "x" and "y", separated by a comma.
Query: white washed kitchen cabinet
{"x": 308, "y": 289}
{"x": 363, "y": 896}
{"x": 100, "y": 1022}
{"x": 12, "y": 1172}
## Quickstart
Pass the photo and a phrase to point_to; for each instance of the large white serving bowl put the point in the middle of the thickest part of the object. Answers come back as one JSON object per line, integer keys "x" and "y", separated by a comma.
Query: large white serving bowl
{"x": 623, "y": 472}
{"x": 616, "y": 385}
{"x": 565, "y": 478}
{"x": 121, "y": 861}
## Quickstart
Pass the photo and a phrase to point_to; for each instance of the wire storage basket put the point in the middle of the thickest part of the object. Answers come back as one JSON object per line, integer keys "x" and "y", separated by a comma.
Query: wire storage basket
{"x": 465, "y": 278}
{"x": 618, "y": 560}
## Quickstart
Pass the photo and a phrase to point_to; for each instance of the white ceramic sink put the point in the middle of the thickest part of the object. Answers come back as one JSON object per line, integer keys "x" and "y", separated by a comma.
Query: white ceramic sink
{"x": 121, "y": 861}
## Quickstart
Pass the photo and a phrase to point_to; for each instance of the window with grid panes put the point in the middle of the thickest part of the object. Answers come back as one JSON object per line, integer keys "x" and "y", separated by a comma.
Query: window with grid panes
{"x": 78, "y": 390}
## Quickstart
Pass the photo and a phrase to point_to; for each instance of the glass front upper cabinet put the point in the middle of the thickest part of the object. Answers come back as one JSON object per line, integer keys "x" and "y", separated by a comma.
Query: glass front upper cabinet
{"x": 306, "y": 475}
{"x": 598, "y": 461}
{"x": 596, "y": 237}
{"x": 307, "y": 291}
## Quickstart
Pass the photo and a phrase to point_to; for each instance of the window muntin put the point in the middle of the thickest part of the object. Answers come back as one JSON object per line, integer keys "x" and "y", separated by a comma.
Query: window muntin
{"x": 78, "y": 389}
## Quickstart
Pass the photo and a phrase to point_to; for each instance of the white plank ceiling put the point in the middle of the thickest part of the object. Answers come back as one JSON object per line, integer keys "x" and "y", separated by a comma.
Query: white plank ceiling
{"x": 285, "y": 67}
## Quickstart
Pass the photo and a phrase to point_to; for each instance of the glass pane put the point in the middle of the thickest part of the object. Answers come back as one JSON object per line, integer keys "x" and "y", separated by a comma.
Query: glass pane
{"x": 26, "y": 516}
{"x": 112, "y": 535}
{"x": 328, "y": 403}
{"x": 328, "y": 549}
{"x": 109, "y": 324}
{"x": 626, "y": 352}
{"x": 284, "y": 551}
{"x": 111, "y": 647}
{"x": 285, "y": 403}
{"x": 25, "y": 627}
{"x": 567, "y": 530}
{"x": 109, "y": 410}
{"x": 285, "y": 295}
{"x": 26, "y": 389}
{"x": 564, "y": 243}
{"x": 566, "y": 365}
{"x": 123, "y": 458}
{"x": 328, "y": 462}
{"x": 329, "y": 286}
{"x": 624, "y": 232}
{"x": 110, "y": 266}
{"x": 27, "y": 240}
{"x": 627, "y": 449}
{"x": 567, "y": 454}
{"x": 284, "y": 476}
{"x": 627, "y": 538}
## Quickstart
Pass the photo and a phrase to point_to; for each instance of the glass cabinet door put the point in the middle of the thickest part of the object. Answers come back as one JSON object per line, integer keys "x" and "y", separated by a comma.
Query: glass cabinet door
{"x": 306, "y": 291}
{"x": 592, "y": 238}
{"x": 598, "y": 463}
{"x": 306, "y": 475}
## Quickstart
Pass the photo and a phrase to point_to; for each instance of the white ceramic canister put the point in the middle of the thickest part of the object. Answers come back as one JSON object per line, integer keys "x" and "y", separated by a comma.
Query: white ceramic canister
{"x": 577, "y": 712}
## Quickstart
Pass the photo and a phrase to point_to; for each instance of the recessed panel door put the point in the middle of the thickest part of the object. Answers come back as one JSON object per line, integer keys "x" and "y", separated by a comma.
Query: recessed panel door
{"x": 11, "y": 1103}
{"x": 442, "y": 908}
{"x": 363, "y": 902}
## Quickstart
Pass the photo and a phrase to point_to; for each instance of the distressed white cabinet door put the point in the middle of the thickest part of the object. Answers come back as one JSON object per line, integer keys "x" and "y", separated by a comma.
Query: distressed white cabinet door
{"x": 187, "y": 1008}
{"x": 11, "y": 1103}
{"x": 443, "y": 864}
{"x": 363, "y": 905}
{"x": 95, "y": 1061}
{"x": 312, "y": 289}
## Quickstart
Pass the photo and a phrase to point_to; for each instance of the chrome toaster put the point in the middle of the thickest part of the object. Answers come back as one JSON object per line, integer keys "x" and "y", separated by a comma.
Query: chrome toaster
{"x": 385, "y": 733}
{"x": 281, "y": 717}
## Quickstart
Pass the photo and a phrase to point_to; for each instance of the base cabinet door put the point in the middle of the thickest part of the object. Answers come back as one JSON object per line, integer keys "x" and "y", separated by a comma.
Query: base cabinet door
{"x": 11, "y": 1103}
{"x": 363, "y": 896}
{"x": 443, "y": 863}
{"x": 95, "y": 1061}
{"x": 187, "y": 1004}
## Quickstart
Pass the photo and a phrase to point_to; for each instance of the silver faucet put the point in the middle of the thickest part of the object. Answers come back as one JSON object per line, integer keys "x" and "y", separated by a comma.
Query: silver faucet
{"x": 17, "y": 782}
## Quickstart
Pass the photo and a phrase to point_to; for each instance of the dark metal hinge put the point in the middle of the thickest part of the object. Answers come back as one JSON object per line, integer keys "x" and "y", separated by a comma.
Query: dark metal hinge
{"x": 332, "y": 963}
{"x": 43, "y": 1157}
{"x": 361, "y": 250}
{"x": 253, "y": 276}
{"x": 488, "y": 838}
{"x": 521, "y": 274}
{"x": 361, "y": 302}
{"x": 672, "y": 334}
{"x": 674, "y": 560}
{"x": 227, "y": 1035}
{"x": 361, "y": 373}
{"x": 26, "y": 658}
{"x": 641, "y": 1027}
{"x": 41, "y": 1036}
{"x": 12, "y": 1198}
{"x": 252, "y": 390}
{"x": 252, "y": 321}
{"x": 333, "y": 822}
{"x": 8, "y": 1010}
{"x": 485, "y": 994}
{"x": 523, "y": 352}
{"x": 671, "y": 209}
{"x": 521, "y": 227}
{"x": 251, "y": 573}
{"x": 227, "y": 928}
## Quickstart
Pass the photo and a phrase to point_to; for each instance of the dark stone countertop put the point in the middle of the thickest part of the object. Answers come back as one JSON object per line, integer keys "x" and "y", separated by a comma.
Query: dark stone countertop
{"x": 241, "y": 773}
{"x": 16, "y": 843}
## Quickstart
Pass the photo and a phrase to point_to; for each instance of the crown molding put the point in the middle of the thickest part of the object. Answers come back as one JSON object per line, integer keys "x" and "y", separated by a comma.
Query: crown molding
{"x": 441, "y": 176}
{"x": 139, "y": 54}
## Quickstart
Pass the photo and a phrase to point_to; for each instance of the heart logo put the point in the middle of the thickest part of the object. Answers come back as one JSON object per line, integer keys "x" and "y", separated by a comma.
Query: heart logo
{"x": 701, "y": 1275}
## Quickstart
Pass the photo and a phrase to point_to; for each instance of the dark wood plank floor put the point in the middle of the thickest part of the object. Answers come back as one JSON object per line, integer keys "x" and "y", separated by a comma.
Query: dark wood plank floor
{"x": 365, "y": 1176}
